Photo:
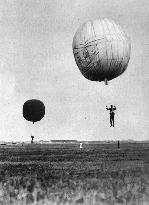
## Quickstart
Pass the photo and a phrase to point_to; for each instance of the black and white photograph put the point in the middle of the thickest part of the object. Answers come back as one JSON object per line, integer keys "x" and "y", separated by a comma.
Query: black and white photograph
{"x": 74, "y": 98}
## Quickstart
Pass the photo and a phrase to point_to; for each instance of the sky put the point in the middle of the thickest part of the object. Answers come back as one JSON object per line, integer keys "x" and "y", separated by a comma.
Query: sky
{"x": 37, "y": 62}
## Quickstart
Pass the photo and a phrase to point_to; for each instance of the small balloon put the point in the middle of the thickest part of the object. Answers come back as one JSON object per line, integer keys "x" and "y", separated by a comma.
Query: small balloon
{"x": 33, "y": 110}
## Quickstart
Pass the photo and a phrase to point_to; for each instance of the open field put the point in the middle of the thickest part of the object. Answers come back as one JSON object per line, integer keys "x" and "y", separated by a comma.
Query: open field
{"x": 57, "y": 174}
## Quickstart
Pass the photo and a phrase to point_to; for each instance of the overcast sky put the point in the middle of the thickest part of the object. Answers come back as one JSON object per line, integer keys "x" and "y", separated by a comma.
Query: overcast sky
{"x": 36, "y": 61}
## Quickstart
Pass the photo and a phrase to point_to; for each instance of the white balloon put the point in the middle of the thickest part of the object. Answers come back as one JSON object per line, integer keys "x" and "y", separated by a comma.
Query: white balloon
{"x": 101, "y": 50}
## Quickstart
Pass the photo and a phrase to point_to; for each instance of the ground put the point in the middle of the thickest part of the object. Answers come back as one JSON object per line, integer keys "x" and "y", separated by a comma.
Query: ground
{"x": 57, "y": 174}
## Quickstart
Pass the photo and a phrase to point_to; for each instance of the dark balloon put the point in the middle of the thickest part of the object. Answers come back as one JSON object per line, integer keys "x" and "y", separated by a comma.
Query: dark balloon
{"x": 33, "y": 110}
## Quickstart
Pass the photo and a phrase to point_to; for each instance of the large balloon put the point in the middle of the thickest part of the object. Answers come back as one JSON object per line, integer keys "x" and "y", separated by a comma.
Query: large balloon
{"x": 101, "y": 50}
{"x": 33, "y": 110}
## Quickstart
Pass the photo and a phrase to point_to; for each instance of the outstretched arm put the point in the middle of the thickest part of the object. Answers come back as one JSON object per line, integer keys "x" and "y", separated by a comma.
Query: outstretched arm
{"x": 114, "y": 108}
{"x": 107, "y": 108}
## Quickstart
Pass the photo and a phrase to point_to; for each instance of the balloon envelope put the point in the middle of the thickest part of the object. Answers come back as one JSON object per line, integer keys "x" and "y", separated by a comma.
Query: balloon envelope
{"x": 33, "y": 110}
{"x": 101, "y": 50}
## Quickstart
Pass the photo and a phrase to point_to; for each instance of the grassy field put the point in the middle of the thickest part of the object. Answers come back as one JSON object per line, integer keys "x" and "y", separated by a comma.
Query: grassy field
{"x": 57, "y": 174}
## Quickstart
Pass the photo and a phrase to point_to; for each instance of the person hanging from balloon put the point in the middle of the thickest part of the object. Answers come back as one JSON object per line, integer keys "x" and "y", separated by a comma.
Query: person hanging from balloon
{"x": 112, "y": 109}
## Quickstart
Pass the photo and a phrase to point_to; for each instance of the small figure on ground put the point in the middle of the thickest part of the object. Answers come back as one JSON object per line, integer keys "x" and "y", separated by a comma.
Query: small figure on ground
{"x": 32, "y": 139}
{"x": 81, "y": 145}
{"x": 112, "y": 108}
{"x": 118, "y": 144}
